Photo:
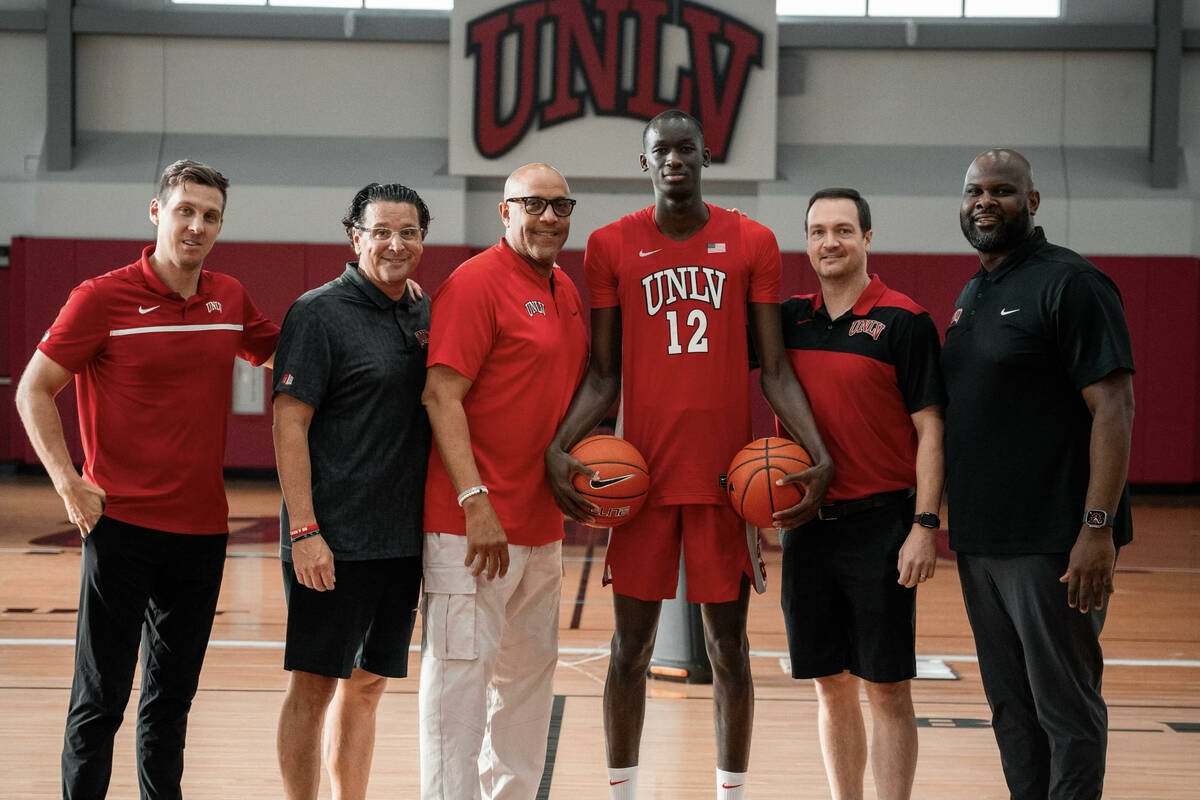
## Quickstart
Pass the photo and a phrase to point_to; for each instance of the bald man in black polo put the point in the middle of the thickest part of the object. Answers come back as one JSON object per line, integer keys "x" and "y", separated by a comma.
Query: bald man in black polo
{"x": 1038, "y": 368}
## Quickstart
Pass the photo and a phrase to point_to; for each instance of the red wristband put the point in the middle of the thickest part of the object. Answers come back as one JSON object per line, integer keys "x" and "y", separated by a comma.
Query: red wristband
{"x": 297, "y": 533}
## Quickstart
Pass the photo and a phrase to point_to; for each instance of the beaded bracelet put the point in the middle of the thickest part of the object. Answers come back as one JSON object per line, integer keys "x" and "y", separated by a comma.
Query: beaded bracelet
{"x": 474, "y": 490}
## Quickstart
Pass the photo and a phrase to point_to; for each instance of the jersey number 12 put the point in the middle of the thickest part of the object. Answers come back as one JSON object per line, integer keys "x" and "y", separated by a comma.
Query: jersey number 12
{"x": 699, "y": 342}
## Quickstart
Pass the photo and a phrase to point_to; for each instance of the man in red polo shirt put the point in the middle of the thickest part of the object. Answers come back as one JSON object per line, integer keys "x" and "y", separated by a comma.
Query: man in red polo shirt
{"x": 507, "y": 348}
{"x": 151, "y": 347}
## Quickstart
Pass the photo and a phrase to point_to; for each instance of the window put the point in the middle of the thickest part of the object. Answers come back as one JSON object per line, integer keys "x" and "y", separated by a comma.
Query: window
{"x": 919, "y": 8}
{"x": 798, "y": 8}
{"x": 436, "y": 5}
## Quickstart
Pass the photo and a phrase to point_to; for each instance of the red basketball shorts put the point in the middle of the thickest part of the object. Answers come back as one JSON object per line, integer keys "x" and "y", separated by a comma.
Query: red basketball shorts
{"x": 643, "y": 554}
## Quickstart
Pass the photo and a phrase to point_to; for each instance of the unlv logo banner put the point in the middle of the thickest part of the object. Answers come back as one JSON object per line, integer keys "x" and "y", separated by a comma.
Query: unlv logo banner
{"x": 573, "y": 82}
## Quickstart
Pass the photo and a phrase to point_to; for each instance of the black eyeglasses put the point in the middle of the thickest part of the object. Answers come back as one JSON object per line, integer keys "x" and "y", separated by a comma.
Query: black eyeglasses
{"x": 562, "y": 206}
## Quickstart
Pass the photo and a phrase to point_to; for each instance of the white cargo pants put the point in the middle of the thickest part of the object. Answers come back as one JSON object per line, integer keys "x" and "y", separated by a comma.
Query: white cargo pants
{"x": 488, "y": 653}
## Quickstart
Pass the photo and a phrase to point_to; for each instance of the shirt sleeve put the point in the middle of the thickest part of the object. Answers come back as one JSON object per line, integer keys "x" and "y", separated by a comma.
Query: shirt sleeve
{"x": 600, "y": 270}
{"x": 462, "y": 323}
{"x": 766, "y": 270}
{"x": 918, "y": 365}
{"x": 304, "y": 358}
{"x": 1093, "y": 336}
{"x": 79, "y": 332}
{"x": 259, "y": 334}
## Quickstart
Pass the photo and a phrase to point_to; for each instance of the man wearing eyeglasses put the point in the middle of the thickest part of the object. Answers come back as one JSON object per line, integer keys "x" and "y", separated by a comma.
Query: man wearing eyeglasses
{"x": 507, "y": 349}
{"x": 673, "y": 288}
{"x": 351, "y": 445}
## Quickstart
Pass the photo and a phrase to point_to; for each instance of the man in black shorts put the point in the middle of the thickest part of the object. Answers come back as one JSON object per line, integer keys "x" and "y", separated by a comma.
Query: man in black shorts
{"x": 868, "y": 359}
{"x": 351, "y": 444}
{"x": 1039, "y": 368}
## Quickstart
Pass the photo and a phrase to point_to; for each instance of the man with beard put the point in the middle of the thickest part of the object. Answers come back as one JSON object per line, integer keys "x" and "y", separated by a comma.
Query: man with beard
{"x": 1038, "y": 368}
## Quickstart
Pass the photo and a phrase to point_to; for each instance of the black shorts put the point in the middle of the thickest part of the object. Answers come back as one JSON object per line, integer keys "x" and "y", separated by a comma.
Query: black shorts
{"x": 366, "y": 622}
{"x": 842, "y": 606}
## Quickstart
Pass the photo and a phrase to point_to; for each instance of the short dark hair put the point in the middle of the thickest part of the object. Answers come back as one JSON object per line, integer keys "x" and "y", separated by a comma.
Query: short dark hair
{"x": 187, "y": 171}
{"x": 673, "y": 114}
{"x": 840, "y": 193}
{"x": 384, "y": 193}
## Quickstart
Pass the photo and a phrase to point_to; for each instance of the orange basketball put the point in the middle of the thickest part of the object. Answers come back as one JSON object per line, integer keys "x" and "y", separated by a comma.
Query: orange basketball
{"x": 752, "y": 475}
{"x": 619, "y": 490}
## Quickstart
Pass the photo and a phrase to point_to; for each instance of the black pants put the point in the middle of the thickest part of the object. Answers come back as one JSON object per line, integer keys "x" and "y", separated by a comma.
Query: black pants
{"x": 1041, "y": 665}
{"x": 160, "y": 590}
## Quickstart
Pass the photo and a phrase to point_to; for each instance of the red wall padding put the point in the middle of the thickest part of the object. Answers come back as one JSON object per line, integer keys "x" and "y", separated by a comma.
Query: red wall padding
{"x": 1162, "y": 298}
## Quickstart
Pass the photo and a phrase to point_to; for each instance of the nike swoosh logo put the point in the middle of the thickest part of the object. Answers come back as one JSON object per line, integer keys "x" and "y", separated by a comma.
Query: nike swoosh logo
{"x": 146, "y": 310}
{"x": 727, "y": 786}
{"x": 644, "y": 253}
{"x": 1004, "y": 312}
{"x": 600, "y": 484}
{"x": 617, "y": 783}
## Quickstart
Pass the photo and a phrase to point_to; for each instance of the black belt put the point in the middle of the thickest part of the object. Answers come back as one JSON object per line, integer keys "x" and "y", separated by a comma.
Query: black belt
{"x": 848, "y": 508}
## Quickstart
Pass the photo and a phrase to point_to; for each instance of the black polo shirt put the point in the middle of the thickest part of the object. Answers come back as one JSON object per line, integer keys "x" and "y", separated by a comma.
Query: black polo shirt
{"x": 358, "y": 358}
{"x": 1024, "y": 340}
{"x": 865, "y": 374}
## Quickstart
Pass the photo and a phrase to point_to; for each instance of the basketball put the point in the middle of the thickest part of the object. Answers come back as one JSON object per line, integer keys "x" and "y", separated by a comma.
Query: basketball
{"x": 752, "y": 475}
{"x": 619, "y": 490}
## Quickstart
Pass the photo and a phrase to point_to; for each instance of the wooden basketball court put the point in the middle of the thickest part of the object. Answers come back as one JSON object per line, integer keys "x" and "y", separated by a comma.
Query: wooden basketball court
{"x": 1152, "y": 681}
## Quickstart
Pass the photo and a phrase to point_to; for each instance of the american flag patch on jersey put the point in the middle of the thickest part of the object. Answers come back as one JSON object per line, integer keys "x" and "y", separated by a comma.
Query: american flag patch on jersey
{"x": 287, "y": 379}
{"x": 716, "y": 247}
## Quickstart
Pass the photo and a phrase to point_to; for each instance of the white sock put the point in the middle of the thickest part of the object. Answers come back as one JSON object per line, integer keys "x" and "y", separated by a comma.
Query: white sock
{"x": 731, "y": 785}
{"x": 622, "y": 783}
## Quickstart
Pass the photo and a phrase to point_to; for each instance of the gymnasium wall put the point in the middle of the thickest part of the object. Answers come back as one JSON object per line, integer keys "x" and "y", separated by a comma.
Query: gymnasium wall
{"x": 299, "y": 126}
{"x": 1161, "y": 297}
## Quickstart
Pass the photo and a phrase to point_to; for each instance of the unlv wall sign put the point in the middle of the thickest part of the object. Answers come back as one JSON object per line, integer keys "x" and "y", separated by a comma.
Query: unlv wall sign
{"x": 572, "y": 82}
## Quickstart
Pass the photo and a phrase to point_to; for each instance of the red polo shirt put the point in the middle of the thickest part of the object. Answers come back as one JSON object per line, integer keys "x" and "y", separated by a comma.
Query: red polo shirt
{"x": 154, "y": 380}
{"x": 521, "y": 339}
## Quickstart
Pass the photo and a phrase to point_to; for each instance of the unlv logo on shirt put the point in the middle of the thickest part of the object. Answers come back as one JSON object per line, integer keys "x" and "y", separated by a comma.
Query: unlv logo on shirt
{"x": 871, "y": 327}
{"x": 668, "y": 286}
{"x": 587, "y": 42}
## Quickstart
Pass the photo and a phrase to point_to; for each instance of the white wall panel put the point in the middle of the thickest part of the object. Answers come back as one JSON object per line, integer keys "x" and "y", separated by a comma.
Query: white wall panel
{"x": 1131, "y": 227}
{"x": 1107, "y": 99}
{"x": 119, "y": 83}
{"x": 17, "y": 209}
{"x": 891, "y": 97}
{"x": 94, "y": 210}
{"x": 306, "y": 88}
{"x": 1191, "y": 13}
{"x": 22, "y": 103}
{"x": 1189, "y": 106}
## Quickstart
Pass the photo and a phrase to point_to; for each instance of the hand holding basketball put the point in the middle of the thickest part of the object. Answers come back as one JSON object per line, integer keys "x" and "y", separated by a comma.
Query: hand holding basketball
{"x": 753, "y": 479}
{"x": 562, "y": 468}
{"x": 617, "y": 480}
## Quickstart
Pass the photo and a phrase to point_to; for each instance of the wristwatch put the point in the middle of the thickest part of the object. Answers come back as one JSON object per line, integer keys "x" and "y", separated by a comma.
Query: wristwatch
{"x": 928, "y": 520}
{"x": 1095, "y": 518}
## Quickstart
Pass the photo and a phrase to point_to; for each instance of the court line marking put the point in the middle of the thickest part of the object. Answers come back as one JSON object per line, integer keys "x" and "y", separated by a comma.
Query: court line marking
{"x": 252, "y": 644}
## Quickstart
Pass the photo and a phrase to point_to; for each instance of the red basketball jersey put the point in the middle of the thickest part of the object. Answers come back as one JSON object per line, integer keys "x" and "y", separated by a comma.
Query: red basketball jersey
{"x": 685, "y": 401}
